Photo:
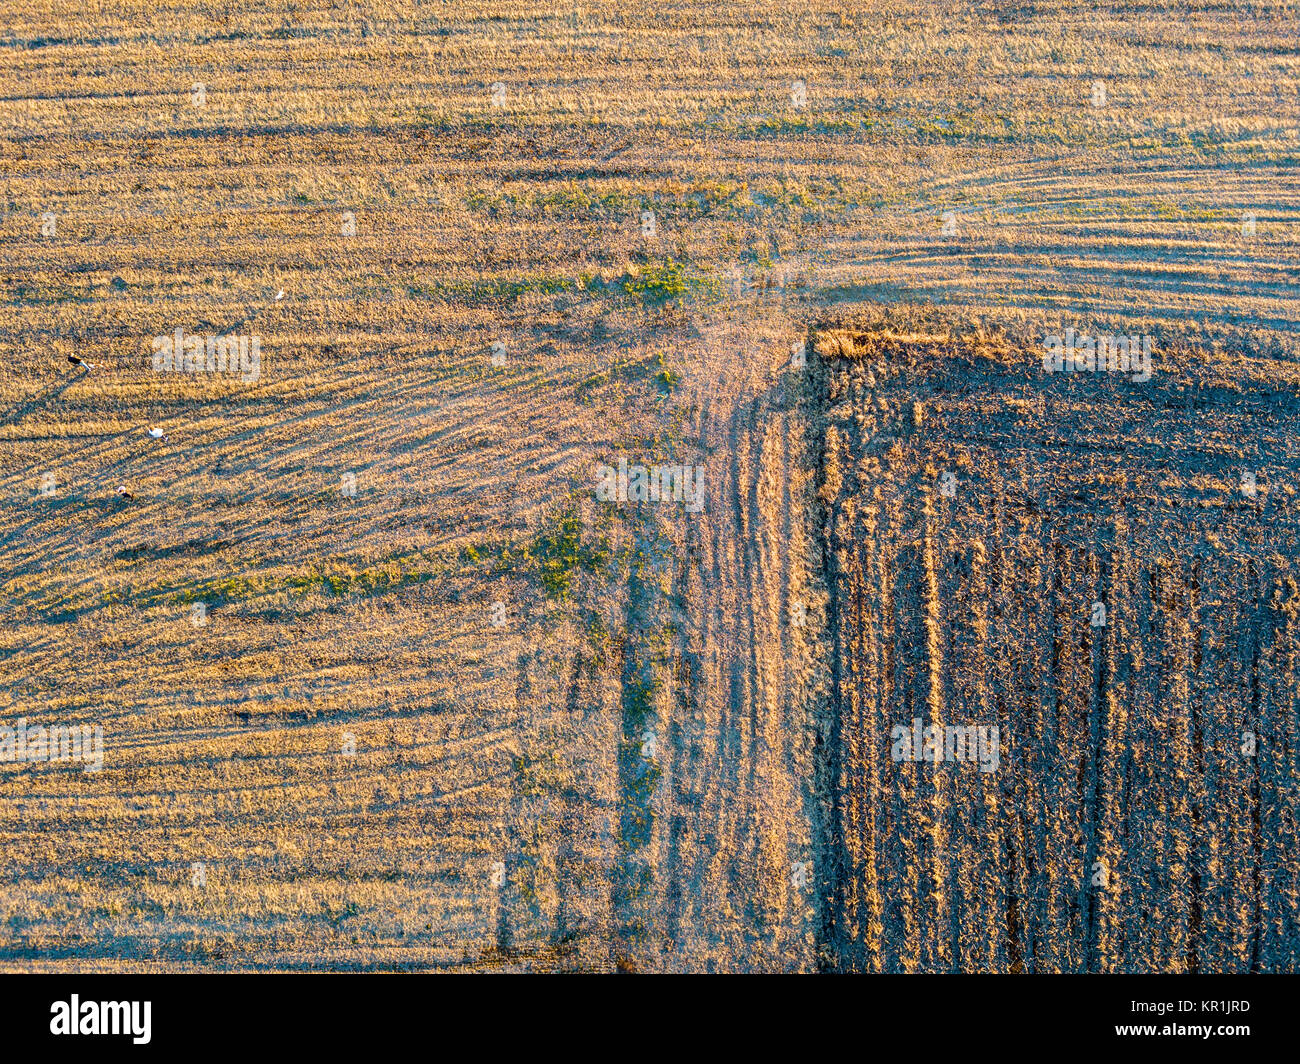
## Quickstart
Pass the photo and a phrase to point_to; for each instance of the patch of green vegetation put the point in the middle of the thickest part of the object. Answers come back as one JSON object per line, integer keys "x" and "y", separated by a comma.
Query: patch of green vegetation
{"x": 544, "y": 772}
{"x": 571, "y": 198}
{"x": 600, "y": 638}
{"x": 794, "y": 125}
{"x": 658, "y": 282}
{"x": 559, "y": 553}
{"x": 627, "y": 371}
{"x": 496, "y": 290}
{"x": 665, "y": 378}
{"x": 218, "y": 589}
{"x": 585, "y": 389}
{"x": 336, "y": 577}
{"x": 641, "y": 775}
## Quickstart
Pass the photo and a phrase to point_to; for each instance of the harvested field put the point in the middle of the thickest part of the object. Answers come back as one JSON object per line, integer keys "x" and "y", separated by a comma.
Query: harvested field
{"x": 1073, "y": 565}
{"x": 385, "y": 684}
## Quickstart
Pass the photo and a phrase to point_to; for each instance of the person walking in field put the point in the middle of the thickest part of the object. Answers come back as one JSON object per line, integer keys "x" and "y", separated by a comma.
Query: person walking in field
{"x": 79, "y": 362}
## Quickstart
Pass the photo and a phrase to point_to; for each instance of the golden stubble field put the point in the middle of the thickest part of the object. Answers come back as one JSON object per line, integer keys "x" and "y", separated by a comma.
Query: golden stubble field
{"x": 440, "y": 707}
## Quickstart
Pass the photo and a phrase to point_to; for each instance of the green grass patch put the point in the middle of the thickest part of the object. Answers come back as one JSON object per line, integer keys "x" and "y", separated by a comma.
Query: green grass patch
{"x": 659, "y": 282}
